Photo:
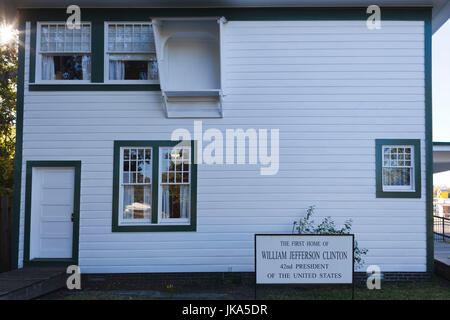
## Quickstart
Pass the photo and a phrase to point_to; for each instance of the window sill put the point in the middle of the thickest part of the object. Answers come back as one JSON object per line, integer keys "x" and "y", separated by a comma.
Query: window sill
{"x": 93, "y": 87}
{"x": 398, "y": 194}
{"x": 130, "y": 82}
{"x": 153, "y": 228}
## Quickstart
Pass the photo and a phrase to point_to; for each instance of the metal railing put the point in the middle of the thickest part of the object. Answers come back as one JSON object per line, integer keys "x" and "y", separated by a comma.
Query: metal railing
{"x": 441, "y": 228}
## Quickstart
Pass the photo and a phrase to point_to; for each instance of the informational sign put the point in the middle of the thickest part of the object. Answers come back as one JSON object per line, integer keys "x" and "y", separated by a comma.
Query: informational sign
{"x": 303, "y": 259}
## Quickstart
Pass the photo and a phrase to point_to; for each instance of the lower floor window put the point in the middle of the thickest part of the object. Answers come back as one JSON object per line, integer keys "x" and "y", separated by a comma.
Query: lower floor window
{"x": 398, "y": 168}
{"x": 175, "y": 182}
{"x": 175, "y": 202}
{"x": 398, "y": 165}
{"x": 154, "y": 185}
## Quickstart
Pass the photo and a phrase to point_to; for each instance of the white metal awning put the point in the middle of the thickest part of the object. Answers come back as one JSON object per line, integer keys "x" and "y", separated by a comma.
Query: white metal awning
{"x": 441, "y": 156}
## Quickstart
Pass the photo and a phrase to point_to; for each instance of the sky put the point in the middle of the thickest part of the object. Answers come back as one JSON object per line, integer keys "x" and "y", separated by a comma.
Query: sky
{"x": 441, "y": 93}
{"x": 441, "y": 83}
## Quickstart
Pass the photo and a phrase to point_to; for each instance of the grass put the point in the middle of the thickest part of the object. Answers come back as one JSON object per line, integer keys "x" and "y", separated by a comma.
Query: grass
{"x": 436, "y": 289}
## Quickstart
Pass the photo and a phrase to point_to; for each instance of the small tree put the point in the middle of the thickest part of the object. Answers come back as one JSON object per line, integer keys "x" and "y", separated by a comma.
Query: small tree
{"x": 306, "y": 225}
{"x": 8, "y": 95}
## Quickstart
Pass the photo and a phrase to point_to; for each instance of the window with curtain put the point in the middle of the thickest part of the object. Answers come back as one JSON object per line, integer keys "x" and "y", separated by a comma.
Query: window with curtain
{"x": 154, "y": 184}
{"x": 64, "y": 54}
{"x": 130, "y": 52}
{"x": 136, "y": 184}
{"x": 175, "y": 183}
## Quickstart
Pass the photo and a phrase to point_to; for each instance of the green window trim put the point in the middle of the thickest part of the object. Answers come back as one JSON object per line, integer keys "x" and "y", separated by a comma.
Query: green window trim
{"x": 49, "y": 262}
{"x": 155, "y": 144}
{"x": 97, "y": 65}
{"x": 379, "y": 169}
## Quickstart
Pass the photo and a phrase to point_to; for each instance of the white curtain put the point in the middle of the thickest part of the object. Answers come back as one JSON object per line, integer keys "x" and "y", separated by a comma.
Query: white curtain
{"x": 86, "y": 67}
{"x": 184, "y": 201}
{"x": 152, "y": 73}
{"x": 165, "y": 202}
{"x": 48, "y": 68}
{"x": 128, "y": 201}
{"x": 116, "y": 70}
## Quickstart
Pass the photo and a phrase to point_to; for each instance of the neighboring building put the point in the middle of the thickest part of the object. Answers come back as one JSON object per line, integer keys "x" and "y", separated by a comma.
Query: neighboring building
{"x": 99, "y": 185}
{"x": 442, "y": 203}
{"x": 442, "y": 194}
{"x": 443, "y": 207}
{"x": 441, "y": 159}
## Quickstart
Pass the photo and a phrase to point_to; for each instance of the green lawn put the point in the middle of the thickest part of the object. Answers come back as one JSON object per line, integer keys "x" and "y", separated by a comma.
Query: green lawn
{"x": 436, "y": 289}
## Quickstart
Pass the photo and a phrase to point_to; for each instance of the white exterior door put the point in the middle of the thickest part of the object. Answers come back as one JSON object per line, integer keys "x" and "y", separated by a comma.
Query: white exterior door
{"x": 52, "y": 199}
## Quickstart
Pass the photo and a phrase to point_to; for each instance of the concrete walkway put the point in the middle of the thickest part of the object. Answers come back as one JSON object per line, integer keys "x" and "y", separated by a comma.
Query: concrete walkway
{"x": 441, "y": 250}
{"x": 442, "y": 259}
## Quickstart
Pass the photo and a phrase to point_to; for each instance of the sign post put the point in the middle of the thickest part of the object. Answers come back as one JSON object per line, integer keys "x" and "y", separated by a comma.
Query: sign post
{"x": 304, "y": 259}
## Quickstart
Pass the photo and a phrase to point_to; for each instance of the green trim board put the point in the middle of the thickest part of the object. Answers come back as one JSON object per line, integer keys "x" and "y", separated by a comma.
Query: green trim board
{"x": 33, "y": 32}
{"x": 236, "y": 13}
{"x": 76, "y": 212}
{"x": 94, "y": 87}
{"x": 18, "y": 149}
{"x": 441, "y": 143}
{"x": 429, "y": 142}
{"x": 97, "y": 51}
{"x": 417, "y": 167}
{"x": 154, "y": 227}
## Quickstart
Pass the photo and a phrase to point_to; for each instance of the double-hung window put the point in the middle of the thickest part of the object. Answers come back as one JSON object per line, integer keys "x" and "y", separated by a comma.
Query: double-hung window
{"x": 398, "y": 168}
{"x": 62, "y": 53}
{"x": 136, "y": 184}
{"x": 130, "y": 53}
{"x": 154, "y": 186}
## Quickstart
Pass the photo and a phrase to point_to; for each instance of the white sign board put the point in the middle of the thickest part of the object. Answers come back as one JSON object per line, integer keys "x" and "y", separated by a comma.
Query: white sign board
{"x": 303, "y": 259}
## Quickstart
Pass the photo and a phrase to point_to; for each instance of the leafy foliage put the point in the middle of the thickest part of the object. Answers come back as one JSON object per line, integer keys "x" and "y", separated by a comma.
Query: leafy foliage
{"x": 306, "y": 225}
{"x": 8, "y": 95}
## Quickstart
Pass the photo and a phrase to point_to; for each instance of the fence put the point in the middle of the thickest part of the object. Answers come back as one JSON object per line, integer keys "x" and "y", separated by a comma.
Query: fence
{"x": 5, "y": 234}
{"x": 441, "y": 228}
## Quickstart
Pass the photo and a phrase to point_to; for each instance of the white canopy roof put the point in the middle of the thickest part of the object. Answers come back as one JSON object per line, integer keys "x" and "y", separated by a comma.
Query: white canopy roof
{"x": 441, "y": 156}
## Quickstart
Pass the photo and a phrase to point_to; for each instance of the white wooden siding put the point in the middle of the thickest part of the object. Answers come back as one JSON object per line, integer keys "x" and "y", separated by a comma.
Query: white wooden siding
{"x": 330, "y": 87}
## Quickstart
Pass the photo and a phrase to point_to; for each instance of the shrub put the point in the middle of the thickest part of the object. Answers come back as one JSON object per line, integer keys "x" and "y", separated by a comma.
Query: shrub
{"x": 306, "y": 225}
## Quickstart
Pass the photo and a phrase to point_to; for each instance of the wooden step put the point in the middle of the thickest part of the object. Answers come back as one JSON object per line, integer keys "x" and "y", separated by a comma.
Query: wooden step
{"x": 31, "y": 282}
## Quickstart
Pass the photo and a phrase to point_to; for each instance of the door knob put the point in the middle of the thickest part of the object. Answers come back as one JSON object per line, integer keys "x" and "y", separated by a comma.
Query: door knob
{"x": 72, "y": 217}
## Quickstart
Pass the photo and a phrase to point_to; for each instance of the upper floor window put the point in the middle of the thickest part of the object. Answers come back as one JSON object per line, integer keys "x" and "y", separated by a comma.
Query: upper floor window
{"x": 130, "y": 52}
{"x": 62, "y": 53}
{"x": 398, "y": 168}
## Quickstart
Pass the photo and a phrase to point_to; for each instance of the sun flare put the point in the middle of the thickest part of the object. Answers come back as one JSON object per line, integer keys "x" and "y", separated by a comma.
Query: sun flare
{"x": 7, "y": 33}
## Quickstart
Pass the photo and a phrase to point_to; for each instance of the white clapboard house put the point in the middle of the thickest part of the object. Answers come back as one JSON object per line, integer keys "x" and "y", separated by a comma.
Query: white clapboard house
{"x": 344, "y": 110}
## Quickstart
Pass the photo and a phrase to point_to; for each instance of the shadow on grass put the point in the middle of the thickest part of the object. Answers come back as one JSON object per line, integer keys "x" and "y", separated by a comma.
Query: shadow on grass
{"x": 436, "y": 289}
